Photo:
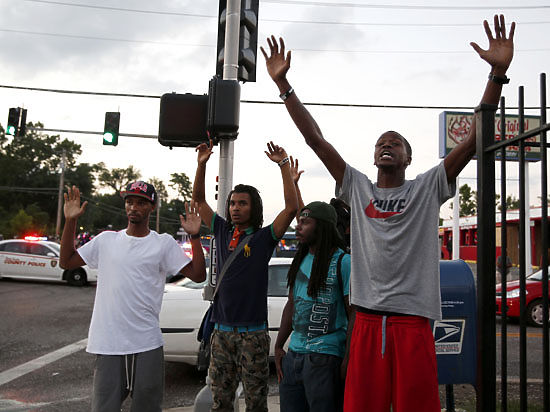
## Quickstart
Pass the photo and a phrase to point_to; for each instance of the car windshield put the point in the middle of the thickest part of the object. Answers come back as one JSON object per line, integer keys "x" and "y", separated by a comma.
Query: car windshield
{"x": 54, "y": 246}
{"x": 537, "y": 275}
{"x": 277, "y": 280}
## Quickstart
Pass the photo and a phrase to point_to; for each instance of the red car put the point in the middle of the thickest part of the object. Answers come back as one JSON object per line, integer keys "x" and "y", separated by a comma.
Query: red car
{"x": 533, "y": 298}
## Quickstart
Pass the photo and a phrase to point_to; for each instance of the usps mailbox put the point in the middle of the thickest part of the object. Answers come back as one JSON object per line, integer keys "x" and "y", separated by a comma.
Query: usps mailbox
{"x": 455, "y": 334}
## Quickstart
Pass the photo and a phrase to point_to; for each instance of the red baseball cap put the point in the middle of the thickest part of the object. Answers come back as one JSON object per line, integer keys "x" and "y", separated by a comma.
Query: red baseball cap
{"x": 141, "y": 189}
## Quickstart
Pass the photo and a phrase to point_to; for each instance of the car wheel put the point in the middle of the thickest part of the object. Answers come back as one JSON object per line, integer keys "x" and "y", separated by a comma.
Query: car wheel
{"x": 534, "y": 313}
{"x": 76, "y": 277}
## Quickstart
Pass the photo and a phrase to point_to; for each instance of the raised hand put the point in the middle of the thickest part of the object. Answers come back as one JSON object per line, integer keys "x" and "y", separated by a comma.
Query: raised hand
{"x": 204, "y": 152}
{"x": 277, "y": 64}
{"x": 294, "y": 170}
{"x": 501, "y": 48}
{"x": 276, "y": 153}
{"x": 191, "y": 222}
{"x": 72, "y": 208}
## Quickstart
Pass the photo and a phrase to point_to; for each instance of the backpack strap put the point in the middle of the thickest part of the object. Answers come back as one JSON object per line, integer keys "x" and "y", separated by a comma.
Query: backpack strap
{"x": 230, "y": 260}
{"x": 339, "y": 272}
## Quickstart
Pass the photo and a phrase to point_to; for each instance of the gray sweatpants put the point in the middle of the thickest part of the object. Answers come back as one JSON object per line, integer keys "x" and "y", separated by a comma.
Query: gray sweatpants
{"x": 141, "y": 375}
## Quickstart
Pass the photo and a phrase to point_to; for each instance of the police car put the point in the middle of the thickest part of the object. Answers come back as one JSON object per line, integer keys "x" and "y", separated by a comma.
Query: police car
{"x": 37, "y": 258}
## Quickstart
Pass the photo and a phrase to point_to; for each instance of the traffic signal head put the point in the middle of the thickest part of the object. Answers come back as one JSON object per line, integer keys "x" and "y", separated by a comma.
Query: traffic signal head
{"x": 248, "y": 40}
{"x": 223, "y": 108}
{"x": 13, "y": 121}
{"x": 182, "y": 120}
{"x": 110, "y": 131}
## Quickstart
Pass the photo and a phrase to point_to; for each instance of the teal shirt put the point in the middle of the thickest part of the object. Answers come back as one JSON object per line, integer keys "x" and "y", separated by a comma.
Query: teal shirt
{"x": 319, "y": 325}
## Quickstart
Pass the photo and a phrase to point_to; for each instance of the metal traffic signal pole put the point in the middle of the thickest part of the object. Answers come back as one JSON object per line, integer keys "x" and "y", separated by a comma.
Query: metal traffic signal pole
{"x": 203, "y": 400}
{"x": 60, "y": 195}
{"x": 230, "y": 72}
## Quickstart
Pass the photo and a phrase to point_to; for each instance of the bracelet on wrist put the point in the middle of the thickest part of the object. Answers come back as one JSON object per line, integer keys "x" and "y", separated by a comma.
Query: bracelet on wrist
{"x": 286, "y": 94}
{"x": 283, "y": 162}
{"x": 499, "y": 79}
{"x": 195, "y": 236}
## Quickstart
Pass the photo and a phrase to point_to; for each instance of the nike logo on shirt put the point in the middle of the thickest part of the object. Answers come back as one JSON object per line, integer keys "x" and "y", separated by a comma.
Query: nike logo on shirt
{"x": 389, "y": 208}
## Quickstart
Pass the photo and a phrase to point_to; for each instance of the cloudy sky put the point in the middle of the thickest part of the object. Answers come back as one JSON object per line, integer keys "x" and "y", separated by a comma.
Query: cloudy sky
{"x": 366, "y": 52}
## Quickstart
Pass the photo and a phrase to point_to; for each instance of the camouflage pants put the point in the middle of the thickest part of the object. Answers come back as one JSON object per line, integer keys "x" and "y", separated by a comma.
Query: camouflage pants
{"x": 239, "y": 357}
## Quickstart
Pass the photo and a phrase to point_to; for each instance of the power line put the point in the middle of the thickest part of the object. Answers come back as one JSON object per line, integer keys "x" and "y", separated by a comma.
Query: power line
{"x": 150, "y": 96}
{"x": 100, "y": 205}
{"x": 400, "y": 6}
{"x": 300, "y": 3}
{"x": 93, "y": 6}
{"x": 82, "y": 37}
{"x": 211, "y": 16}
{"x": 113, "y": 39}
{"x": 382, "y": 106}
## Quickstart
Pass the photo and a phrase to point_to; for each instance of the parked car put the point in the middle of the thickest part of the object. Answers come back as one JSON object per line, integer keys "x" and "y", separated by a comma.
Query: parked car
{"x": 287, "y": 246}
{"x": 37, "y": 258}
{"x": 533, "y": 298}
{"x": 183, "y": 308}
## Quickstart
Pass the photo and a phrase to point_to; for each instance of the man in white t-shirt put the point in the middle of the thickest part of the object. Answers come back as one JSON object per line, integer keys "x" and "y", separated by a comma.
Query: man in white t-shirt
{"x": 132, "y": 267}
{"x": 394, "y": 246}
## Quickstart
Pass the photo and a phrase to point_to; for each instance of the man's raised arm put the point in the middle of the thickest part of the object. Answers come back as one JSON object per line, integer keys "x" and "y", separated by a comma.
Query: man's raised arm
{"x": 206, "y": 212}
{"x": 278, "y": 155}
{"x": 277, "y": 67}
{"x": 499, "y": 56}
{"x": 68, "y": 256}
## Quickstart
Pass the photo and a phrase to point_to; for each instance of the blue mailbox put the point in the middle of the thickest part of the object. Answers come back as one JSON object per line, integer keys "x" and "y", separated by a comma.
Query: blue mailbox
{"x": 455, "y": 334}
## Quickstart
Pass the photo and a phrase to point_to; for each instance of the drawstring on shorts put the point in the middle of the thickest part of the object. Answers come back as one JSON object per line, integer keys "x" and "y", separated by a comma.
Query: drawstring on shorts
{"x": 130, "y": 376}
{"x": 384, "y": 318}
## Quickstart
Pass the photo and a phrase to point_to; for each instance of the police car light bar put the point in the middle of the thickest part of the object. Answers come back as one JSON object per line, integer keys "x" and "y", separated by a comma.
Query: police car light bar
{"x": 35, "y": 238}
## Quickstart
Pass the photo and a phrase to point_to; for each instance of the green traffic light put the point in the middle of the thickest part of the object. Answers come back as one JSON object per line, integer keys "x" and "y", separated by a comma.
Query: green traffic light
{"x": 108, "y": 137}
{"x": 11, "y": 130}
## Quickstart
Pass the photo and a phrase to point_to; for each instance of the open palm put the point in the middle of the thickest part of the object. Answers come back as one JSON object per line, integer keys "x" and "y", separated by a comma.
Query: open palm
{"x": 501, "y": 48}
{"x": 72, "y": 207}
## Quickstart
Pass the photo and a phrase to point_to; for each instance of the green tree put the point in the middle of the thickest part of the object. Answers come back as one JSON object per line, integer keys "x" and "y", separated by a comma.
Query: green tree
{"x": 160, "y": 187}
{"x": 20, "y": 224}
{"x": 30, "y": 171}
{"x": 117, "y": 178}
{"x": 467, "y": 202}
{"x": 180, "y": 183}
{"x": 512, "y": 202}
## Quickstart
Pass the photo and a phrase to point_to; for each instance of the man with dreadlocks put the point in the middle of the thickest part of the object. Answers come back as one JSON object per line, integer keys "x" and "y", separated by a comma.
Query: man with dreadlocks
{"x": 315, "y": 316}
{"x": 395, "y": 251}
{"x": 240, "y": 341}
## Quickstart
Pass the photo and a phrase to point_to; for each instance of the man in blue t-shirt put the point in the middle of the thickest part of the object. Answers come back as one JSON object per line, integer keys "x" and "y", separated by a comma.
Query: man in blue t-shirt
{"x": 240, "y": 341}
{"x": 315, "y": 316}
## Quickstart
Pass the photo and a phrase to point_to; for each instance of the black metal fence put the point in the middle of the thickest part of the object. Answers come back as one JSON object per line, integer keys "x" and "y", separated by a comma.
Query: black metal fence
{"x": 487, "y": 149}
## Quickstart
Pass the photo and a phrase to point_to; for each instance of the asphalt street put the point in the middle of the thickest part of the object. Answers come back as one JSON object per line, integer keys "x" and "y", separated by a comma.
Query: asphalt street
{"x": 39, "y": 318}
{"x": 43, "y": 366}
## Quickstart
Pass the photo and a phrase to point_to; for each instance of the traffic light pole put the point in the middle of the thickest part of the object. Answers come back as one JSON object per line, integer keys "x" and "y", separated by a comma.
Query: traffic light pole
{"x": 60, "y": 197}
{"x": 203, "y": 400}
{"x": 230, "y": 72}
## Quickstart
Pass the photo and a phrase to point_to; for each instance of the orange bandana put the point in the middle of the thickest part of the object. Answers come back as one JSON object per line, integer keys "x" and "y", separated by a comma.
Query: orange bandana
{"x": 235, "y": 239}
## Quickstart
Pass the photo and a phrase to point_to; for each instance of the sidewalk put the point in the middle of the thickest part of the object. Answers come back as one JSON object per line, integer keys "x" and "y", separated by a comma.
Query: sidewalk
{"x": 272, "y": 405}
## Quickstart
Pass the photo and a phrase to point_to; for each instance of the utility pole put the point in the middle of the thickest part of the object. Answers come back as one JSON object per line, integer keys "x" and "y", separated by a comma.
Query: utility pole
{"x": 60, "y": 195}
{"x": 230, "y": 72}
{"x": 159, "y": 201}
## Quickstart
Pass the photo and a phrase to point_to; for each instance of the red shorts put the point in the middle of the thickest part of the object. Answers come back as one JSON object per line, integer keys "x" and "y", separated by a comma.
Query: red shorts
{"x": 391, "y": 362}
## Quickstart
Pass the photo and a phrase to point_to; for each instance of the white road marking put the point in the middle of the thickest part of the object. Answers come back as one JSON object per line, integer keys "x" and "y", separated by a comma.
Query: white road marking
{"x": 18, "y": 371}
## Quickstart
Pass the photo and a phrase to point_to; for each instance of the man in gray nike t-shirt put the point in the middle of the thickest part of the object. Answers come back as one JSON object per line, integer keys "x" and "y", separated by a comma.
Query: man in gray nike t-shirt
{"x": 394, "y": 246}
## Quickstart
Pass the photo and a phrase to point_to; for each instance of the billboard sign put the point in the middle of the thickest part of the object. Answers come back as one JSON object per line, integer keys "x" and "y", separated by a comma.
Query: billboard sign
{"x": 454, "y": 127}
